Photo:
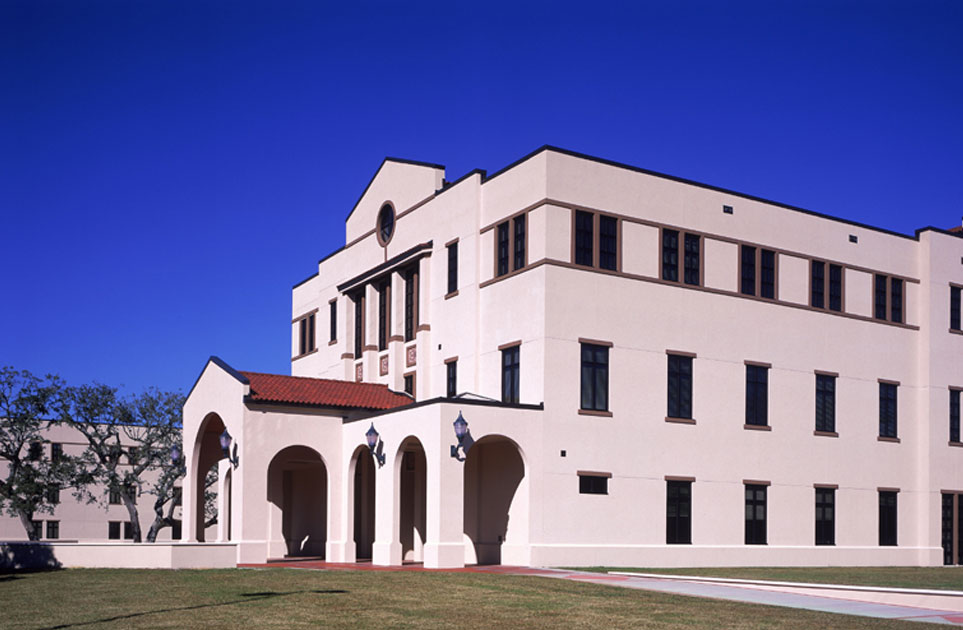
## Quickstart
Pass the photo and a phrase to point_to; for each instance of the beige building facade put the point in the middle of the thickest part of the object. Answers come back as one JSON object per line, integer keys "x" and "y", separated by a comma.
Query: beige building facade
{"x": 653, "y": 372}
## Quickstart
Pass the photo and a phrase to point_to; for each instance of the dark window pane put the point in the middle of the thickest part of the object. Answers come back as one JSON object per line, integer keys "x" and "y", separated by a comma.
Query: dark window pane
{"x": 748, "y": 275}
{"x": 817, "y": 284}
{"x": 887, "y": 410}
{"x": 594, "y": 377}
{"x": 333, "y": 318}
{"x": 312, "y": 345}
{"x": 954, "y": 415}
{"x": 409, "y": 380}
{"x": 678, "y": 513}
{"x": 691, "y": 260}
{"x": 502, "y": 257}
{"x": 767, "y": 283}
{"x": 113, "y": 530}
{"x": 755, "y": 514}
{"x": 757, "y": 385}
{"x": 896, "y": 300}
{"x": 452, "y": 267}
{"x": 411, "y": 283}
{"x": 679, "y": 387}
{"x": 593, "y": 484}
{"x": 887, "y": 518}
{"x": 825, "y": 516}
{"x": 383, "y": 316}
{"x": 358, "y": 325}
{"x": 510, "y": 375}
{"x": 825, "y": 403}
{"x": 670, "y": 255}
{"x": 452, "y": 369}
{"x": 53, "y": 529}
{"x": 879, "y": 311}
{"x": 386, "y": 222}
{"x": 519, "y": 258}
{"x": 583, "y": 238}
{"x": 946, "y": 527}
{"x": 608, "y": 242}
{"x": 955, "y": 308}
{"x": 835, "y": 288}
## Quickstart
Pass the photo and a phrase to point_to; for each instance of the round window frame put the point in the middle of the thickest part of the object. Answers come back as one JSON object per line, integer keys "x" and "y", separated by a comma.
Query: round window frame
{"x": 378, "y": 223}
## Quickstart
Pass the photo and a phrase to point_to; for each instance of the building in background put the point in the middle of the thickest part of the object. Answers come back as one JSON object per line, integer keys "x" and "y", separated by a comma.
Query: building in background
{"x": 653, "y": 372}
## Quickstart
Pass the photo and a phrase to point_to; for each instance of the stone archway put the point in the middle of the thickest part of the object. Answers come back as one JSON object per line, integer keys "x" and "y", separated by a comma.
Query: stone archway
{"x": 297, "y": 495}
{"x": 363, "y": 510}
{"x": 411, "y": 473}
{"x": 207, "y": 450}
{"x": 495, "y": 513}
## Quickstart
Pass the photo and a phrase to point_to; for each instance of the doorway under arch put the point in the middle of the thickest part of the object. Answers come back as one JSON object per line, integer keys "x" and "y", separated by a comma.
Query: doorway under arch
{"x": 494, "y": 513}
{"x": 411, "y": 471}
{"x": 364, "y": 503}
{"x": 297, "y": 494}
{"x": 207, "y": 449}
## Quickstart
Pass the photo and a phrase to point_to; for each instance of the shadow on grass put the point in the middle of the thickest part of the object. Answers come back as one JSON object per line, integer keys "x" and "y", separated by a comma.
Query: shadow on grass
{"x": 249, "y": 597}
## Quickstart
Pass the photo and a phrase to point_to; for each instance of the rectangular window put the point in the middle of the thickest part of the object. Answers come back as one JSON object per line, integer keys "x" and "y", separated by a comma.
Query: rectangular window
{"x": 879, "y": 299}
{"x": 128, "y": 531}
{"x": 595, "y": 377}
{"x": 452, "y": 378}
{"x": 817, "y": 284}
{"x": 113, "y": 530}
{"x": 410, "y": 384}
{"x": 670, "y": 255}
{"x": 825, "y": 403}
{"x": 510, "y": 375}
{"x": 384, "y": 315}
{"x": 411, "y": 303}
{"x": 584, "y": 238}
{"x": 35, "y": 451}
{"x": 691, "y": 259}
{"x": 114, "y": 497}
{"x": 755, "y": 514}
{"x": 835, "y": 288}
{"x": 955, "y": 308}
{"x": 452, "y": 268}
{"x": 358, "y": 324}
{"x": 593, "y": 484}
{"x": 502, "y": 249}
{"x": 680, "y": 387}
{"x": 608, "y": 243}
{"x": 519, "y": 244}
{"x": 678, "y": 512}
{"x": 757, "y": 393}
{"x": 748, "y": 275}
{"x": 825, "y": 516}
{"x": 896, "y": 300}
{"x": 954, "y": 415}
{"x": 333, "y": 319}
{"x": 767, "y": 281}
{"x": 887, "y": 518}
{"x": 306, "y": 335}
{"x": 176, "y": 530}
{"x": 53, "y": 495}
{"x": 53, "y": 530}
{"x": 947, "y": 527}
{"x": 887, "y": 410}
{"x": 56, "y": 452}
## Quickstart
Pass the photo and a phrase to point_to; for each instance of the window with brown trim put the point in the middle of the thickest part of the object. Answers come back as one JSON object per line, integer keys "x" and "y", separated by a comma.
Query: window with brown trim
{"x": 306, "y": 342}
{"x": 758, "y": 275}
{"x": 819, "y": 283}
{"x": 501, "y": 244}
{"x": 955, "y": 309}
{"x": 887, "y": 518}
{"x": 755, "y": 514}
{"x": 510, "y": 374}
{"x": 757, "y": 394}
{"x": 595, "y": 377}
{"x": 954, "y": 415}
{"x": 333, "y": 319}
{"x": 681, "y": 249}
{"x": 518, "y": 242}
{"x": 411, "y": 303}
{"x": 825, "y": 516}
{"x": 451, "y": 379}
{"x": 888, "y": 302}
{"x": 887, "y": 410}
{"x": 678, "y": 512}
{"x": 679, "y": 386}
{"x": 511, "y": 240}
{"x": 358, "y": 323}
{"x": 596, "y": 240}
{"x": 384, "y": 314}
{"x": 593, "y": 484}
{"x": 409, "y": 380}
{"x": 825, "y": 403}
{"x": 452, "y": 268}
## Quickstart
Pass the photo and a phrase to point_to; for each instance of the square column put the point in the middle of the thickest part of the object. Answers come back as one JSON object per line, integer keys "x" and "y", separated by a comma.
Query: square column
{"x": 445, "y": 547}
{"x": 386, "y": 550}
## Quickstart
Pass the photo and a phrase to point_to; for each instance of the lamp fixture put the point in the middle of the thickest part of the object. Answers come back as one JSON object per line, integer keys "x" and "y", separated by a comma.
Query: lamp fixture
{"x": 226, "y": 440}
{"x": 375, "y": 445}
{"x": 465, "y": 440}
{"x": 175, "y": 453}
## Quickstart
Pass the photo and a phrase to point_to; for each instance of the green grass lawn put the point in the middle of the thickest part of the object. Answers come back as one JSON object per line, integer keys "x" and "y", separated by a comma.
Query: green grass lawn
{"x": 947, "y": 578}
{"x": 293, "y": 598}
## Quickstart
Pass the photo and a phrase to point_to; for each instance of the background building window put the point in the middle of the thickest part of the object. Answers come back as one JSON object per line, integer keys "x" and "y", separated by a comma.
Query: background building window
{"x": 583, "y": 238}
{"x": 56, "y": 452}
{"x": 679, "y": 386}
{"x": 518, "y": 223}
{"x": 678, "y": 512}
{"x": 35, "y": 451}
{"x": 593, "y": 484}
{"x": 37, "y": 527}
{"x": 451, "y": 369}
{"x": 954, "y": 415}
{"x": 887, "y": 518}
{"x": 502, "y": 249}
{"x": 757, "y": 403}
{"x": 113, "y": 497}
{"x": 825, "y": 403}
{"x": 887, "y": 410}
{"x": 955, "y": 308}
{"x": 510, "y": 375}
{"x": 595, "y": 377}
{"x": 53, "y": 530}
{"x": 452, "y": 268}
{"x": 53, "y": 495}
{"x": 333, "y": 319}
{"x": 755, "y": 514}
{"x": 825, "y": 516}
{"x": 113, "y": 530}
{"x": 128, "y": 530}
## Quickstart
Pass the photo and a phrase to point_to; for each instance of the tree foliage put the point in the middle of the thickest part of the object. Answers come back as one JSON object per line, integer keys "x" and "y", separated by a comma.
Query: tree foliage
{"x": 32, "y": 481}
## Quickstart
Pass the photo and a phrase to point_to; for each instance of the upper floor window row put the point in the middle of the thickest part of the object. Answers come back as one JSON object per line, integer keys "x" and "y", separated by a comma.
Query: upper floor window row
{"x": 826, "y": 285}
{"x": 888, "y": 301}
{"x": 681, "y": 257}
{"x": 596, "y": 241}
{"x": 758, "y": 272}
{"x": 306, "y": 334}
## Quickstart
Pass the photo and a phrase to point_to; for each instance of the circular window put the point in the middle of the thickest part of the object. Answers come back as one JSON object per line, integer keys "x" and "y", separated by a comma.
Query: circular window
{"x": 386, "y": 223}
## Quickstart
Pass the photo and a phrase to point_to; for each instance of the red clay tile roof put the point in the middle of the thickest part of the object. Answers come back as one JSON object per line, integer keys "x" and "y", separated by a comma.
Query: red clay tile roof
{"x": 322, "y": 392}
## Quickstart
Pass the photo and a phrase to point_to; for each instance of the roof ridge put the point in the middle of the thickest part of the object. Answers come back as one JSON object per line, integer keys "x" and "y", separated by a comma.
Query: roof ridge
{"x": 315, "y": 378}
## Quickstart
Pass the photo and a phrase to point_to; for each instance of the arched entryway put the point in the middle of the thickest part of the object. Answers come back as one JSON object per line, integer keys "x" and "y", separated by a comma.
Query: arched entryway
{"x": 411, "y": 471}
{"x": 207, "y": 450}
{"x": 363, "y": 511}
{"x": 494, "y": 513}
{"x": 297, "y": 494}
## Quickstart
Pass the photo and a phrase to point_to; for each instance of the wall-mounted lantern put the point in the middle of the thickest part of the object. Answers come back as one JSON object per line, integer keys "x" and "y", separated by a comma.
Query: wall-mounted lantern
{"x": 175, "y": 454}
{"x": 465, "y": 440}
{"x": 225, "y": 440}
{"x": 375, "y": 445}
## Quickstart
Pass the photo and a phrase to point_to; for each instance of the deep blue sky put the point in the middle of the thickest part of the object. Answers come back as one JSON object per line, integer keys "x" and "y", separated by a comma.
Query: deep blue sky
{"x": 168, "y": 170}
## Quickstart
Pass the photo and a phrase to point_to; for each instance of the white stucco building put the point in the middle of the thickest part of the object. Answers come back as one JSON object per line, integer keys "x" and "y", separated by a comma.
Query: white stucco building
{"x": 654, "y": 372}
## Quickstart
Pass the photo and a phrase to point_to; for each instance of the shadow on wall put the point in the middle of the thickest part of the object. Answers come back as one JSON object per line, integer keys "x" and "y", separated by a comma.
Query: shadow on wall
{"x": 27, "y": 556}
